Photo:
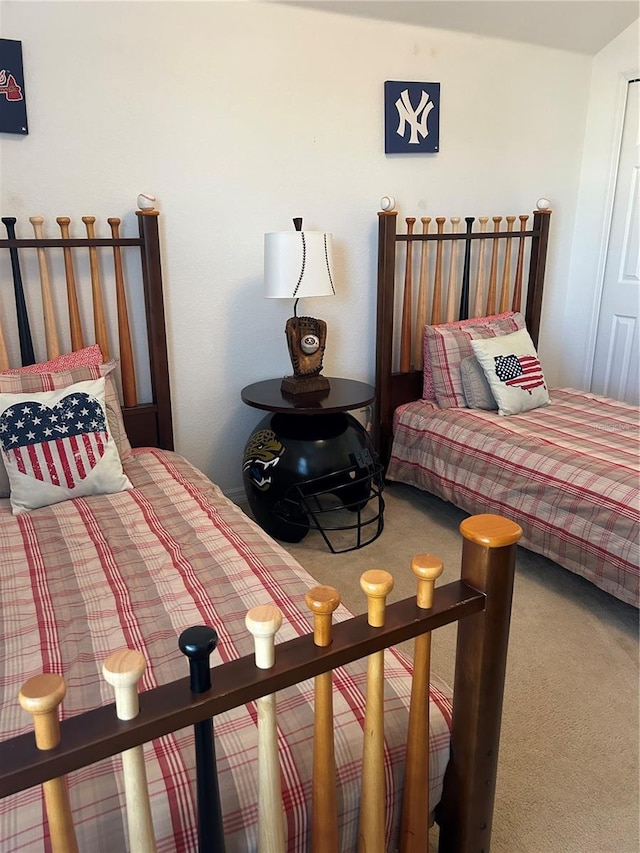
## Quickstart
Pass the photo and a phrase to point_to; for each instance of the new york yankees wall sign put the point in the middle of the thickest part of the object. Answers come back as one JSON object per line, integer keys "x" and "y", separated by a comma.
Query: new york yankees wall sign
{"x": 411, "y": 117}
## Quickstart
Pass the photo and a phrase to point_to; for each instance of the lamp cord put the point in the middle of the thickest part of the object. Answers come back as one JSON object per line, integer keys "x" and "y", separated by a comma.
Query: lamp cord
{"x": 295, "y": 308}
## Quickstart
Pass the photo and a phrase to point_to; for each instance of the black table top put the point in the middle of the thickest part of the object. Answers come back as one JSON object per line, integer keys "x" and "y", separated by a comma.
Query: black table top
{"x": 342, "y": 396}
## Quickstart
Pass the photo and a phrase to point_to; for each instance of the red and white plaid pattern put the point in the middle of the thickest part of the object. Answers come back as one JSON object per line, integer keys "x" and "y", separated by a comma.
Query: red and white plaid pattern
{"x": 567, "y": 473}
{"x": 83, "y": 578}
{"x": 446, "y": 348}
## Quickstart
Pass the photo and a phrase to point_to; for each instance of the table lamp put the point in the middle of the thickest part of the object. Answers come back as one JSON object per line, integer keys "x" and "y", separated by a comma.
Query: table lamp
{"x": 298, "y": 264}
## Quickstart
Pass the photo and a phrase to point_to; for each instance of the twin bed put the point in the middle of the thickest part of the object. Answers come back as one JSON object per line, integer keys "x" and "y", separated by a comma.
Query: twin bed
{"x": 133, "y": 560}
{"x": 565, "y": 467}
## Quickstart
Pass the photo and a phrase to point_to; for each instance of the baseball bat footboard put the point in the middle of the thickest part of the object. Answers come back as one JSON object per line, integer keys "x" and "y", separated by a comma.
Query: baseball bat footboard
{"x": 480, "y": 602}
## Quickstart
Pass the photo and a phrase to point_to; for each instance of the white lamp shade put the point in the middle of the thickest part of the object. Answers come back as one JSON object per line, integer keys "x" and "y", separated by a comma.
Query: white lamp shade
{"x": 297, "y": 264}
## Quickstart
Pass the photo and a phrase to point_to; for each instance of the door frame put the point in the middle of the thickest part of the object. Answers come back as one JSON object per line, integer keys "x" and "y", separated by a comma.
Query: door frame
{"x": 624, "y": 79}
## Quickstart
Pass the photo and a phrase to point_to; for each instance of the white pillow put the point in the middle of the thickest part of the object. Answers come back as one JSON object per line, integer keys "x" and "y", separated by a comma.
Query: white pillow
{"x": 513, "y": 371}
{"x": 57, "y": 445}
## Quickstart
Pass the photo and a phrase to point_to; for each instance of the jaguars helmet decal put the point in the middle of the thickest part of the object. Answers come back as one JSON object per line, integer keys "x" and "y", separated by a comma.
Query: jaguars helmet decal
{"x": 261, "y": 455}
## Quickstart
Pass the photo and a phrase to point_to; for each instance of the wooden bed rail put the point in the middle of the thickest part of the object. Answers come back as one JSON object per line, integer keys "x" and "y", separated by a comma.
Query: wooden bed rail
{"x": 147, "y": 423}
{"x": 480, "y": 601}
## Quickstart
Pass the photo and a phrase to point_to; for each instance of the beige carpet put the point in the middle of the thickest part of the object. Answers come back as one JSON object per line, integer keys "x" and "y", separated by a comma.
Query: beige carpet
{"x": 568, "y": 772}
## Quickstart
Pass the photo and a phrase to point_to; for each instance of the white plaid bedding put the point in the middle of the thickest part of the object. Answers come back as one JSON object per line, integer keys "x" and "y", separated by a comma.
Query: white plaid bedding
{"x": 568, "y": 473}
{"x": 83, "y": 578}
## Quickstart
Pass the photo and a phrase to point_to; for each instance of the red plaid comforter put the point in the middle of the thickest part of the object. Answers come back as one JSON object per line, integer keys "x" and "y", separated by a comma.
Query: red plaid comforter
{"x": 85, "y": 577}
{"x": 568, "y": 473}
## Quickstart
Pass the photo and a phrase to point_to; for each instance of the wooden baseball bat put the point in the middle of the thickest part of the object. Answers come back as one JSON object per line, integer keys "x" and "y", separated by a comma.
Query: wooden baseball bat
{"x": 436, "y": 308}
{"x": 50, "y": 330}
{"x": 493, "y": 272}
{"x": 197, "y": 644}
{"x": 75, "y": 324}
{"x": 99, "y": 322}
{"x": 24, "y": 332}
{"x": 450, "y": 311}
{"x": 517, "y": 287}
{"x": 478, "y": 301}
{"x": 505, "y": 288}
{"x": 124, "y": 334}
{"x": 463, "y": 313}
{"x": 263, "y": 623}
{"x": 405, "y": 339}
{"x": 322, "y": 601}
{"x": 421, "y": 307}
{"x": 377, "y": 584}
{"x": 414, "y": 824}
{"x": 123, "y": 670}
{"x": 4, "y": 354}
{"x": 41, "y": 696}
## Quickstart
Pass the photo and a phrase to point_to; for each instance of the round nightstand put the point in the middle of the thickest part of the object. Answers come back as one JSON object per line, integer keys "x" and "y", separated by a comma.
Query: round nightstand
{"x": 310, "y": 465}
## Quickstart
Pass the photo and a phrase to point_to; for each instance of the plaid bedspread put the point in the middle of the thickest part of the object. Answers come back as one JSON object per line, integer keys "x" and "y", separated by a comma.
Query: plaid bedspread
{"x": 568, "y": 473}
{"x": 86, "y": 577}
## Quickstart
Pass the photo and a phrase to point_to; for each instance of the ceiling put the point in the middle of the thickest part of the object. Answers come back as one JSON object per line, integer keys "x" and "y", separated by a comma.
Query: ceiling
{"x": 583, "y": 26}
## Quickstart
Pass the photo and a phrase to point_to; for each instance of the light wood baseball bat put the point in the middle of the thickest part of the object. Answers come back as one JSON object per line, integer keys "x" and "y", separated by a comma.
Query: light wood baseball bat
{"x": 123, "y": 670}
{"x": 414, "y": 824}
{"x": 41, "y": 696}
{"x": 450, "y": 311}
{"x": 436, "y": 308}
{"x": 99, "y": 322}
{"x": 50, "y": 330}
{"x": 505, "y": 288}
{"x": 478, "y": 301}
{"x": 124, "y": 334}
{"x": 263, "y": 623}
{"x": 405, "y": 340}
{"x": 517, "y": 287}
{"x": 322, "y": 601}
{"x": 493, "y": 272}
{"x": 421, "y": 307}
{"x": 377, "y": 584}
{"x": 24, "y": 332}
{"x": 75, "y": 324}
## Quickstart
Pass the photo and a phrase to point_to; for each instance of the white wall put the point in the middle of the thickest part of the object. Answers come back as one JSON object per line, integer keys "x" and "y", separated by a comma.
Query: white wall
{"x": 239, "y": 116}
{"x": 612, "y": 68}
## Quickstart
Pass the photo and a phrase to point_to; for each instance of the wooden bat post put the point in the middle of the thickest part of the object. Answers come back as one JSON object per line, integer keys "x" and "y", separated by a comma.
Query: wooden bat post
{"x": 50, "y": 330}
{"x": 322, "y": 601}
{"x": 99, "y": 321}
{"x": 407, "y": 301}
{"x": 24, "y": 332}
{"x": 197, "y": 643}
{"x": 421, "y": 307}
{"x": 41, "y": 696}
{"x": 377, "y": 584}
{"x": 75, "y": 324}
{"x": 414, "y": 826}
{"x": 123, "y": 670}
{"x": 124, "y": 333}
{"x": 263, "y": 623}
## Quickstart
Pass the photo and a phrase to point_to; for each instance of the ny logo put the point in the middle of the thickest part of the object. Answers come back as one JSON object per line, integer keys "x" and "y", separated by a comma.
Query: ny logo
{"x": 411, "y": 117}
{"x": 416, "y": 119}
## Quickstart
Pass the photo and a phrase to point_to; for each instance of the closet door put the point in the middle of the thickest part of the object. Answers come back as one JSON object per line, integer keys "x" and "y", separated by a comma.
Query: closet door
{"x": 616, "y": 360}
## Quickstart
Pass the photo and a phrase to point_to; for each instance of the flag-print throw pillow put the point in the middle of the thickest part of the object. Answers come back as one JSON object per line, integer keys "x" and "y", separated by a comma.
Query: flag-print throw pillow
{"x": 57, "y": 445}
{"x": 513, "y": 371}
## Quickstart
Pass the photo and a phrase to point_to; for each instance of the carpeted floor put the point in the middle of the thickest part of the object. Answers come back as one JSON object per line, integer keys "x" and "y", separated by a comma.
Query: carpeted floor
{"x": 568, "y": 779}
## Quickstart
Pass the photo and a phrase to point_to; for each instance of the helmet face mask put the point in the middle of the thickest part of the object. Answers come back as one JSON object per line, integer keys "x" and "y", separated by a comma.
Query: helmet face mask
{"x": 322, "y": 475}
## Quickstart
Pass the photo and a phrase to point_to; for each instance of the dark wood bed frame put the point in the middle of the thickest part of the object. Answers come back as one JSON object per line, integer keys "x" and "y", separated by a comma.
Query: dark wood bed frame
{"x": 395, "y": 387}
{"x": 480, "y": 602}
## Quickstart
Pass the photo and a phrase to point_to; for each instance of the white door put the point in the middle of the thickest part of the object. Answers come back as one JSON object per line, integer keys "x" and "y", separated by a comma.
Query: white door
{"x": 615, "y": 366}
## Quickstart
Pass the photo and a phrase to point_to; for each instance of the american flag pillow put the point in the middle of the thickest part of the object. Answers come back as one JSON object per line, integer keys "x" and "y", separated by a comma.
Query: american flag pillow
{"x": 513, "y": 371}
{"x": 57, "y": 445}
